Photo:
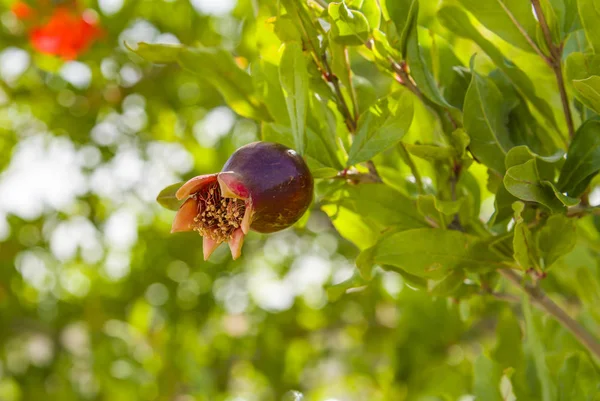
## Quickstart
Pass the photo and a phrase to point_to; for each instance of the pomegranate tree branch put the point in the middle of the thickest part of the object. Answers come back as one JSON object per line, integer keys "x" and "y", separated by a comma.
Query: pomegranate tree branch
{"x": 555, "y": 64}
{"x": 541, "y": 300}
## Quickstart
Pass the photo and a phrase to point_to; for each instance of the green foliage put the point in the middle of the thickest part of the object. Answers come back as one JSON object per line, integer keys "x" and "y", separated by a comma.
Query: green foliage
{"x": 451, "y": 251}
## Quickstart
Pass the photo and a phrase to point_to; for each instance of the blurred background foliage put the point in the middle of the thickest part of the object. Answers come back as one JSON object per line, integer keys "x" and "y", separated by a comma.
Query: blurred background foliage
{"x": 99, "y": 302}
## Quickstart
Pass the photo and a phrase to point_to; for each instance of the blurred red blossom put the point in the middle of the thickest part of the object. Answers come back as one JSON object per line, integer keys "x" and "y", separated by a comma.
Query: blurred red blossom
{"x": 62, "y": 31}
{"x": 66, "y": 34}
{"x": 21, "y": 10}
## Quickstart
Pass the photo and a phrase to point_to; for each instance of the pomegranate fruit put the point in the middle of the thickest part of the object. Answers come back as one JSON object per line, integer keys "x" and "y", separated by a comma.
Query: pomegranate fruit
{"x": 264, "y": 186}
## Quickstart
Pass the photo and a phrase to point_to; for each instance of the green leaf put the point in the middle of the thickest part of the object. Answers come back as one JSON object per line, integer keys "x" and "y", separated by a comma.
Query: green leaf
{"x": 579, "y": 66}
{"x": 420, "y": 72}
{"x": 536, "y": 348}
{"x": 509, "y": 350}
{"x": 336, "y": 291}
{"x": 430, "y": 152}
{"x": 430, "y": 253}
{"x": 305, "y": 24}
{"x": 577, "y": 379}
{"x": 404, "y": 15}
{"x": 216, "y": 67}
{"x": 352, "y": 226}
{"x": 162, "y": 54}
{"x": 506, "y": 18}
{"x": 438, "y": 210}
{"x": 382, "y": 126}
{"x": 589, "y": 91}
{"x": 319, "y": 152}
{"x": 458, "y": 22}
{"x": 589, "y": 12}
{"x": 567, "y": 377}
{"x": 447, "y": 285}
{"x": 293, "y": 76}
{"x": 486, "y": 379}
{"x": 266, "y": 80}
{"x": 557, "y": 237}
{"x": 583, "y": 159}
{"x": 502, "y": 205}
{"x": 371, "y": 10}
{"x": 484, "y": 121}
{"x": 348, "y": 27}
{"x": 523, "y": 181}
{"x": 524, "y": 250}
{"x": 383, "y": 206}
{"x": 167, "y": 198}
{"x": 545, "y": 164}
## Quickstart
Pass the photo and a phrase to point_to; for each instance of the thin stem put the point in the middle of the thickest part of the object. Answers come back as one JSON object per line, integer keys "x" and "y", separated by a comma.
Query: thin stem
{"x": 413, "y": 168}
{"x": 373, "y": 170}
{"x": 528, "y": 38}
{"x": 555, "y": 64}
{"x": 406, "y": 80}
{"x": 341, "y": 102}
{"x": 541, "y": 300}
{"x": 560, "y": 81}
{"x": 504, "y": 297}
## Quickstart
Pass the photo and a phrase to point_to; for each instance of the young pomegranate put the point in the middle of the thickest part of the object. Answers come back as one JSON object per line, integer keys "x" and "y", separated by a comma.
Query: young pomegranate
{"x": 263, "y": 186}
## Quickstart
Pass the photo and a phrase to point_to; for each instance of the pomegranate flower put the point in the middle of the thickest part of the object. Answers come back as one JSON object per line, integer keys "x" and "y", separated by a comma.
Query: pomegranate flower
{"x": 66, "y": 34}
{"x": 22, "y": 10}
{"x": 263, "y": 186}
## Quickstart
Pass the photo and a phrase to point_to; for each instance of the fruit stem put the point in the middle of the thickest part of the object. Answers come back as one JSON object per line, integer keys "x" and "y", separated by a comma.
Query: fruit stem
{"x": 541, "y": 300}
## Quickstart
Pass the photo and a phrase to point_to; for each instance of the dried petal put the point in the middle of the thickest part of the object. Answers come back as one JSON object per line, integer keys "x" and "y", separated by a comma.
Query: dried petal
{"x": 232, "y": 185}
{"x": 194, "y": 185}
{"x": 208, "y": 246}
{"x": 235, "y": 243}
{"x": 247, "y": 220}
{"x": 184, "y": 219}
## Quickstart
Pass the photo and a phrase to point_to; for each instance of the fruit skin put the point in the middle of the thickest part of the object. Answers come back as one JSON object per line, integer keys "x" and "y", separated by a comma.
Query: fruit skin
{"x": 273, "y": 182}
{"x": 278, "y": 181}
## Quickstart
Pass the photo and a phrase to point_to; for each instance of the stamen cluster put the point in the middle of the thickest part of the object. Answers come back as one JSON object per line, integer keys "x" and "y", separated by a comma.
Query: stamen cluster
{"x": 217, "y": 217}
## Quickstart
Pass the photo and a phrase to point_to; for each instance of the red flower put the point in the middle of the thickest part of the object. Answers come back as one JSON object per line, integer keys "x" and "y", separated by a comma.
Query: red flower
{"x": 22, "y": 10}
{"x": 66, "y": 34}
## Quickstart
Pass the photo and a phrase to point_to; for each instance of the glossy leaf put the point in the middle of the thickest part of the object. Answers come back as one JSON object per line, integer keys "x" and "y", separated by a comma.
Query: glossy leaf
{"x": 485, "y": 123}
{"x": 293, "y": 77}
{"x": 538, "y": 352}
{"x": 382, "y": 126}
{"x": 486, "y": 379}
{"x": 216, "y": 67}
{"x": 589, "y": 91}
{"x": 419, "y": 70}
{"x": 509, "y": 19}
{"x": 524, "y": 249}
{"x": 556, "y": 238}
{"x": 523, "y": 181}
{"x": 348, "y": 27}
{"x": 430, "y": 253}
{"x": 589, "y": 12}
{"x": 458, "y": 22}
{"x": 403, "y": 14}
{"x": 583, "y": 159}
{"x": 167, "y": 199}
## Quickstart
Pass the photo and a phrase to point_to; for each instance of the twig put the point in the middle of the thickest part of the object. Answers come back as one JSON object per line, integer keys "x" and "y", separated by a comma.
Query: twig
{"x": 555, "y": 64}
{"x": 373, "y": 170}
{"x": 541, "y": 300}
{"x": 528, "y": 38}
{"x": 504, "y": 297}
{"x": 341, "y": 102}
{"x": 406, "y": 80}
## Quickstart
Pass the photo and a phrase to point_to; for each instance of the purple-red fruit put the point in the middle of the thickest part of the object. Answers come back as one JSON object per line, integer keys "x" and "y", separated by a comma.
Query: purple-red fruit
{"x": 264, "y": 186}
